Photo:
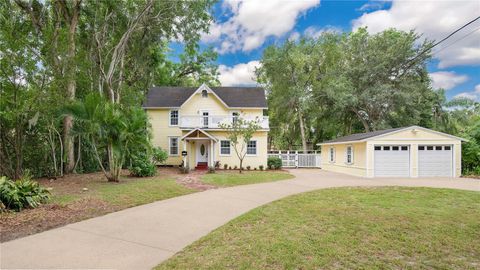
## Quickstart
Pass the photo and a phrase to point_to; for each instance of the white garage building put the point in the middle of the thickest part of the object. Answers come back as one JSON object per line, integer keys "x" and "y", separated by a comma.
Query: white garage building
{"x": 401, "y": 152}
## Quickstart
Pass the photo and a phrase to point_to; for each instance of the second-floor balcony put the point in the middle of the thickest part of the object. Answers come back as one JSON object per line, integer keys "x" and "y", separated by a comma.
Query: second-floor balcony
{"x": 215, "y": 121}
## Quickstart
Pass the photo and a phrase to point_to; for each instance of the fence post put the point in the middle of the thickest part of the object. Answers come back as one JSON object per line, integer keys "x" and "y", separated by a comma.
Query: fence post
{"x": 296, "y": 159}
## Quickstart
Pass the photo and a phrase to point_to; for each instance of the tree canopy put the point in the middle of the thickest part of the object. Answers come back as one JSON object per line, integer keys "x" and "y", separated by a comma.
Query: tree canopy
{"x": 343, "y": 83}
{"x": 56, "y": 53}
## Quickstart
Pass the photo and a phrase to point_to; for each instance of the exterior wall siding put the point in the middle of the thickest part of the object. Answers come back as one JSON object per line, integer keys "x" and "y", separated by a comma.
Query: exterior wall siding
{"x": 357, "y": 168}
{"x": 161, "y": 131}
{"x": 160, "y": 120}
{"x": 365, "y": 166}
{"x": 252, "y": 161}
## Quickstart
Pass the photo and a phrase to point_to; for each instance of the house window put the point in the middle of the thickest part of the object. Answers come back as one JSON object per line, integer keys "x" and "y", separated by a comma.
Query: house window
{"x": 204, "y": 93}
{"x": 173, "y": 146}
{"x": 349, "y": 155}
{"x": 205, "y": 119}
{"x": 252, "y": 148}
{"x": 235, "y": 117}
{"x": 225, "y": 147}
{"x": 332, "y": 154}
{"x": 174, "y": 118}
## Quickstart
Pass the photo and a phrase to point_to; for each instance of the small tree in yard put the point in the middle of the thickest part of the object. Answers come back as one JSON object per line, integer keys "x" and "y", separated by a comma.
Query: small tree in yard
{"x": 240, "y": 132}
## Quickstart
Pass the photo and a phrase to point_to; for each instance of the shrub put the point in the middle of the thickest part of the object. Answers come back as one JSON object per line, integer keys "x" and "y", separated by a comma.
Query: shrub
{"x": 142, "y": 166}
{"x": 255, "y": 168}
{"x": 235, "y": 167}
{"x": 274, "y": 163}
{"x": 159, "y": 155}
{"x": 248, "y": 167}
{"x": 23, "y": 193}
{"x": 261, "y": 167}
{"x": 217, "y": 164}
{"x": 211, "y": 170}
{"x": 229, "y": 167}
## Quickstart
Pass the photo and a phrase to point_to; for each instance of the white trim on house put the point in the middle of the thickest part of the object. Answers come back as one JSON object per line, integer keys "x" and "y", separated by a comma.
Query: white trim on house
{"x": 331, "y": 158}
{"x": 352, "y": 155}
{"x": 170, "y": 117}
{"x": 199, "y": 90}
{"x": 170, "y": 144}
{"x": 256, "y": 149}
{"x": 229, "y": 146}
{"x": 200, "y": 130}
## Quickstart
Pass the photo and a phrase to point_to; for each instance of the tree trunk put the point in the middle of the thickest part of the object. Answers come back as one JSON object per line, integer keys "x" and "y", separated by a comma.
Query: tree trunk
{"x": 241, "y": 164}
{"x": 302, "y": 131}
{"x": 113, "y": 173}
{"x": 71, "y": 88}
{"x": 364, "y": 122}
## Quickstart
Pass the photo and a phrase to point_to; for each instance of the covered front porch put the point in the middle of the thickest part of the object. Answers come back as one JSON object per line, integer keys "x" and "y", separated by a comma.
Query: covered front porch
{"x": 198, "y": 149}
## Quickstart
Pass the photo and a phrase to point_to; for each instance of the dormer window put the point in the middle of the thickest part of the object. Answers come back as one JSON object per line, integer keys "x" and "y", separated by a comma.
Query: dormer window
{"x": 204, "y": 93}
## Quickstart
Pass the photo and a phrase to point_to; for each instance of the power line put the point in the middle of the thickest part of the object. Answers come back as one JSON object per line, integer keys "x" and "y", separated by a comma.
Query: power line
{"x": 412, "y": 61}
{"x": 462, "y": 38}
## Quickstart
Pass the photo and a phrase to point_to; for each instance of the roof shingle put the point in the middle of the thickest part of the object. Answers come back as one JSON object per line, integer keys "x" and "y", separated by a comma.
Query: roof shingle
{"x": 361, "y": 136}
{"x": 237, "y": 97}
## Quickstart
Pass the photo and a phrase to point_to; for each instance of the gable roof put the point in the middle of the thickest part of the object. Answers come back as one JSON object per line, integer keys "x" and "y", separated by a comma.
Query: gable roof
{"x": 233, "y": 97}
{"x": 360, "y": 137}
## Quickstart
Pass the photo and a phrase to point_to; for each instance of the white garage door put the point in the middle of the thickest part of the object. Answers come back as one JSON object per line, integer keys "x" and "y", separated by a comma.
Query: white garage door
{"x": 392, "y": 161}
{"x": 435, "y": 160}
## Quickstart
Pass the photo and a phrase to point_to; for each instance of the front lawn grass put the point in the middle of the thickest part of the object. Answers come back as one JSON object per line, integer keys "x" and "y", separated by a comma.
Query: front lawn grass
{"x": 347, "y": 228}
{"x": 222, "y": 178}
{"x": 140, "y": 191}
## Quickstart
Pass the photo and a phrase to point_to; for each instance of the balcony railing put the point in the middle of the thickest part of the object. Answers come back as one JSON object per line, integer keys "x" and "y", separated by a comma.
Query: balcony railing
{"x": 214, "y": 121}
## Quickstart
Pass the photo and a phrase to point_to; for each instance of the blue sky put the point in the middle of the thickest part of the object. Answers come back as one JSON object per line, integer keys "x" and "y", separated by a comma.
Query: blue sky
{"x": 243, "y": 29}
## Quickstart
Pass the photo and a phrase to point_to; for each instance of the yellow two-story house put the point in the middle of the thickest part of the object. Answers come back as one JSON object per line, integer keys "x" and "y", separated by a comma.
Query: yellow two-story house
{"x": 186, "y": 123}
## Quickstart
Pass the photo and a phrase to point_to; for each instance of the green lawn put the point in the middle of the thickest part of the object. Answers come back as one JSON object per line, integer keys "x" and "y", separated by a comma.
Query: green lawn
{"x": 234, "y": 178}
{"x": 141, "y": 191}
{"x": 347, "y": 228}
{"x": 128, "y": 192}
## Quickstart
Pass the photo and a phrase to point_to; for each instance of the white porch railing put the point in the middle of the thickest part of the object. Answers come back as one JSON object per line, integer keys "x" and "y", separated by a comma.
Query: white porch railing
{"x": 298, "y": 159}
{"x": 214, "y": 121}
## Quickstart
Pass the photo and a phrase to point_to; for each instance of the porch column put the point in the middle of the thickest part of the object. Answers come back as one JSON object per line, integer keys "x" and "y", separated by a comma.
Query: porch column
{"x": 212, "y": 164}
{"x": 184, "y": 158}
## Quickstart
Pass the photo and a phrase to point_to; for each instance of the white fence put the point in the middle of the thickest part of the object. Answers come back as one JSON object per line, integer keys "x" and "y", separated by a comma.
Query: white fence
{"x": 298, "y": 159}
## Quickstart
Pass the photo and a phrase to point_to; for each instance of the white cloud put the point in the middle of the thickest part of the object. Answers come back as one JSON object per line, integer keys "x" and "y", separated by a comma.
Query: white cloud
{"x": 315, "y": 32}
{"x": 468, "y": 95}
{"x": 434, "y": 19}
{"x": 252, "y": 22}
{"x": 473, "y": 95}
{"x": 372, "y": 5}
{"x": 447, "y": 79}
{"x": 240, "y": 74}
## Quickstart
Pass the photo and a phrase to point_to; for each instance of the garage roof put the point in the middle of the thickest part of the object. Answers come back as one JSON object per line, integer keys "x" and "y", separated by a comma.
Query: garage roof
{"x": 358, "y": 137}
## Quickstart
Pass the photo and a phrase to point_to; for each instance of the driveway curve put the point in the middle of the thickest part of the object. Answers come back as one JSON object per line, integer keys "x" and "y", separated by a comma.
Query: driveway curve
{"x": 141, "y": 237}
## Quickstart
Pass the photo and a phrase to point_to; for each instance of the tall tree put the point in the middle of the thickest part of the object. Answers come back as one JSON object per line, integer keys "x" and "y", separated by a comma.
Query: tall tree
{"x": 49, "y": 20}
{"x": 289, "y": 73}
{"x": 376, "y": 78}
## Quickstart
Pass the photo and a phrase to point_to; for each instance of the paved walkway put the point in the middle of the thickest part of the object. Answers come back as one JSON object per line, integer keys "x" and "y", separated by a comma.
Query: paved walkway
{"x": 143, "y": 236}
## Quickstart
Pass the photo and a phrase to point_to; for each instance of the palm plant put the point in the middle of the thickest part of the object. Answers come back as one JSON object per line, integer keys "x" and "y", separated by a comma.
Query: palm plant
{"x": 111, "y": 128}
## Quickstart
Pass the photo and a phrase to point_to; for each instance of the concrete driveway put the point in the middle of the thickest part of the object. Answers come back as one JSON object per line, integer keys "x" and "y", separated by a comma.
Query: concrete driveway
{"x": 142, "y": 237}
